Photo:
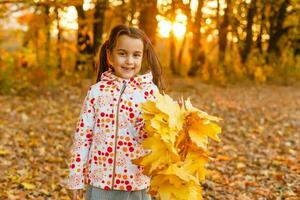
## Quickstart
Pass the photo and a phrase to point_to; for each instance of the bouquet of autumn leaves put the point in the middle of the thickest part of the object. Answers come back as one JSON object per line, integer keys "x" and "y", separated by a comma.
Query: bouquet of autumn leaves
{"x": 178, "y": 138}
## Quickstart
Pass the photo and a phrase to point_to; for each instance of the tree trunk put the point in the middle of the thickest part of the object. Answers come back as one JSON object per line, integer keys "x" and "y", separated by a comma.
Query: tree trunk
{"x": 172, "y": 41}
{"x": 262, "y": 23}
{"x": 276, "y": 28}
{"x": 249, "y": 38}
{"x": 58, "y": 43}
{"x": 223, "y": 26}
{"x": 48, "y": 36}
{"x": 198, "y": 55}
{"x": 186, "y": 8}
{"x": 81, "y": 25}
{"x": 100, "y": 8}
{"x": 147, "y": 18}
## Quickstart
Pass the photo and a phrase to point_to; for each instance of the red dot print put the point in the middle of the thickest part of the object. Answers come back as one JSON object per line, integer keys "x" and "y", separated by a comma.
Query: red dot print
{"x": 88, "y": 135}
{"x": 129, "y": 144}
{"x": 130, "y": 109}
{"x": 109, "y": 149}
{"x": 131, "y": 149}
{"x": 106, "y": 188}
{"x": 120, "y": 143}
{"x": 92, "y": 100}
{"x": 72, "y": 166}
{"x": 95, "y": 157}
{"x": 110, "y": 161}
{"x": 126, "y": 182}
{"x": 131, "y": 115}
{"x": 82, "y": 124}
{"x": 128, "y": 187}
{"x": 77, "y": 159}
{"x": 102, "y": 114}
{"x": 118, "y": 181}
{"x": 111, "y": 115}
{"x": 146, "y": 93}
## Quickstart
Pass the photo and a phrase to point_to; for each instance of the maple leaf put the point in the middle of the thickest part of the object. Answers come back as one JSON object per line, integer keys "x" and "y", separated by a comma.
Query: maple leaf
{"x": 177, "y": 140}
{"x": 154, "y": 160}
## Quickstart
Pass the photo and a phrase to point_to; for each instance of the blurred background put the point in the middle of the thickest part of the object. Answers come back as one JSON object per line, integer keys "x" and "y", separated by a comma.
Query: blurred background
{"x": 238, "y": 60}
{"x": 220, "y": 41}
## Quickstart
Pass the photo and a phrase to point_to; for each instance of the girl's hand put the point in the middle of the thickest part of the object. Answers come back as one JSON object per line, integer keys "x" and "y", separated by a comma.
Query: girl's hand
{"x": 74, "y": 194}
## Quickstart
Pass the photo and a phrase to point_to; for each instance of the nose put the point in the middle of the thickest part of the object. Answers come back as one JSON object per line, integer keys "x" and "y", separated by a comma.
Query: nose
{"x": 129, "y": 60}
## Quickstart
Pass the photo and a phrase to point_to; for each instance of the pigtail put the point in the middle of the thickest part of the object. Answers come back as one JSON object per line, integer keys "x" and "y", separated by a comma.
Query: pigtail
{"x": 102, "y": 64}
{"x": 154, "y": 63}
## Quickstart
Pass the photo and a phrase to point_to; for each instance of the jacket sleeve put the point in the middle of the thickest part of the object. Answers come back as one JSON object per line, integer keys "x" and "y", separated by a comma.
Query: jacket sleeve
{"x": 140, "y": 123}
{"x": 82, "y": 140}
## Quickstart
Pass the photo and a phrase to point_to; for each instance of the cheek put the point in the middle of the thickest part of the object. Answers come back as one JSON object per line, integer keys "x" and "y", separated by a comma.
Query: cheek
{"x": 119, "y": 60}
{"x": 139, "y": 61}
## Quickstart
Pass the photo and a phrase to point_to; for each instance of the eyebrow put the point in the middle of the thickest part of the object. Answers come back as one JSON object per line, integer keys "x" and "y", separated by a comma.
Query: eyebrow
{"x": 126, "y": 50}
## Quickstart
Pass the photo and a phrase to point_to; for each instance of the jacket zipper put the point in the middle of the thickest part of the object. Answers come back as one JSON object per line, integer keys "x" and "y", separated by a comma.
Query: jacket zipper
{"x": 116, "y": 134}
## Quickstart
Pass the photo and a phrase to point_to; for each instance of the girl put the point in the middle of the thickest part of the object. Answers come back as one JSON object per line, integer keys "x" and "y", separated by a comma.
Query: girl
{"x": 110, "y": 127}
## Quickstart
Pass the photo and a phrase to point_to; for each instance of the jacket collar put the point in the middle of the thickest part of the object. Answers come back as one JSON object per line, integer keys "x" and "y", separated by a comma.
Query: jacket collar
{"x": 137, "y": 80}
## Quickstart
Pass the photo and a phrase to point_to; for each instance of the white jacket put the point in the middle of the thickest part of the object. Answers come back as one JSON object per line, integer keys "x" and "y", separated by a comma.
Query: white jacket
{"x": 109, "y": 133}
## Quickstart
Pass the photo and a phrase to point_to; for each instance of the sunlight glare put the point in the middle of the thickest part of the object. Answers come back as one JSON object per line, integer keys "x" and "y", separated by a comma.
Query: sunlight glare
{"x": 88, "y": 5}
{"x": 178, "y": 27}
{"x": 69, "y": 18}
{"x": 164, "y": 27}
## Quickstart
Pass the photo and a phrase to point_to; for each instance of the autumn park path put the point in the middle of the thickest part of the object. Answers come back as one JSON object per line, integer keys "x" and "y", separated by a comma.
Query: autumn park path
{"x": 258, "y": 156}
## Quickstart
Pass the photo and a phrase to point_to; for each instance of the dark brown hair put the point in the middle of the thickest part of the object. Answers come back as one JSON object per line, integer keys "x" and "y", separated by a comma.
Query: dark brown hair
{"x": 149, "y": 54}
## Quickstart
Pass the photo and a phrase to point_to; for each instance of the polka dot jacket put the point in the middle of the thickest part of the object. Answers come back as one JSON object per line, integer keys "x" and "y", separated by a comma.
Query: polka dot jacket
{"x": 109, "y": 134}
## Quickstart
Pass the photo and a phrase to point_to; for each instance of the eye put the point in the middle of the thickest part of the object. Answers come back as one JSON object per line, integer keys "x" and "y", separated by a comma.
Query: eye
{"x": 137, "y": 55}
{"x": 121, "y": 53}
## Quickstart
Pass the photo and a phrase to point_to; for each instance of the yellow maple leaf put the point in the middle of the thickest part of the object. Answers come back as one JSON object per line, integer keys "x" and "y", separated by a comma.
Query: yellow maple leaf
{"x": 177, "y": 140}
{"x": 201, "y": 127}
{"x": 171, "y": 187}
{"x": 154, "y": 160}
{"x": 166, "y": 105}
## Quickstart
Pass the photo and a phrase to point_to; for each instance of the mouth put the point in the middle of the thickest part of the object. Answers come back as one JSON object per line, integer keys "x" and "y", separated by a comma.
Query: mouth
{"x": 127, "y": 68}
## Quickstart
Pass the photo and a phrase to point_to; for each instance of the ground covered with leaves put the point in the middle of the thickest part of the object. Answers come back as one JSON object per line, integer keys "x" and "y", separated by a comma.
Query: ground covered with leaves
{"x": 258, "y": 156}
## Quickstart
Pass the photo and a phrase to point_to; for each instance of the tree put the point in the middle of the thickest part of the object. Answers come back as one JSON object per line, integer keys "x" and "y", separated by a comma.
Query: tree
{"x": 249, "y": 38}
{"x": 147, "y": 18}
{"x": 198, "y": 54}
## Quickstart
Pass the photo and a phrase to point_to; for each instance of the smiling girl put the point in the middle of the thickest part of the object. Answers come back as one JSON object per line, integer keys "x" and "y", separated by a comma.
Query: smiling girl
{"x": 110, "y": 129}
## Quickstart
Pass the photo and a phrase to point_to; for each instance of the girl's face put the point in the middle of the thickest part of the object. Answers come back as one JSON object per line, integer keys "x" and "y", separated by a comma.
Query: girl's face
{"x": 126, "y": 57}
